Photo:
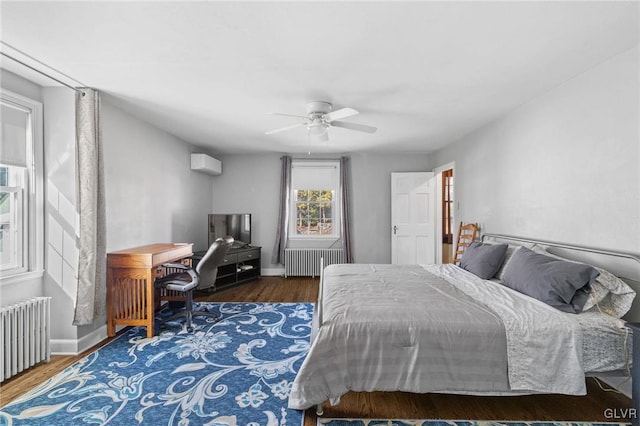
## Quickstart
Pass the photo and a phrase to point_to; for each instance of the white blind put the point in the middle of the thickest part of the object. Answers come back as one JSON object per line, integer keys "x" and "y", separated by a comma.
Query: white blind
{"x": 306, "y": 175}
{"x": 14, "y": 126}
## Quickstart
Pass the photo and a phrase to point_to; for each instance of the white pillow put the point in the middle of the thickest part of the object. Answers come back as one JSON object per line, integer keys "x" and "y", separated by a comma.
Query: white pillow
{"x": 500, "y": 272}
{"x": 609, "y": 294}
{"x": 510, "y": 249}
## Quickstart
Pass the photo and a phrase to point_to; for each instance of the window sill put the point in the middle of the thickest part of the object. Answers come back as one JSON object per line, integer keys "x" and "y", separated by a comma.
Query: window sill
{"x": 314, "y": 237}
{"x": 312, "y": 242}
{"x": 23, "y": 276}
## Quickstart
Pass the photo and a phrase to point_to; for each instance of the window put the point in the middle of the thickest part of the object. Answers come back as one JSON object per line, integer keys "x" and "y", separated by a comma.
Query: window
{"x": 13, "y": 213}
{"x": 20, "y": 192}
{"x": 315, "y": 207}
{"x": 314, "y": 211}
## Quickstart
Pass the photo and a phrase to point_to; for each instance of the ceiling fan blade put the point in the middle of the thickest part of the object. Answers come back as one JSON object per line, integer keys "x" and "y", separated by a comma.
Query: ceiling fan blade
{"x": 354, "y": 126}
{"x": 340, "y": 113}
{"x": 282, "y": 129}
{"x": 289, "y": 115}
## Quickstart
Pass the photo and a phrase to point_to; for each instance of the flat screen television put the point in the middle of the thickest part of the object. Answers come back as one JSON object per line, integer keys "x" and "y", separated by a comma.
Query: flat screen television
{"x": 237, "y": 225}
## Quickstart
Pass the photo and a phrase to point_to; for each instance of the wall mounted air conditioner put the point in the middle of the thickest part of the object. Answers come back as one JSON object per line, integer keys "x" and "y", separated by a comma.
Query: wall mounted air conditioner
{"x": 206, "y": 164}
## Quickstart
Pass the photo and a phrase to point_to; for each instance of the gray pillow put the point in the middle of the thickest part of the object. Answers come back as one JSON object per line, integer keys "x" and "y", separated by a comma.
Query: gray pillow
{"x": 483, "y": 260}
{"x": 608, "y": 293}
{"x": 558, "y": 283}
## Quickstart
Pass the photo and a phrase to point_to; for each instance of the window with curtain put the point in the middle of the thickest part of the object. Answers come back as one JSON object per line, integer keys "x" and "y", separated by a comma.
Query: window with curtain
{"x": 19, "y": 131}
{"x": 315, "y": 199}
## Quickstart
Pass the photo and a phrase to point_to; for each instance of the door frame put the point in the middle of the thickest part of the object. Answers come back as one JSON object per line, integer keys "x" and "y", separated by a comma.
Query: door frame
{"x": 438, "y": 203}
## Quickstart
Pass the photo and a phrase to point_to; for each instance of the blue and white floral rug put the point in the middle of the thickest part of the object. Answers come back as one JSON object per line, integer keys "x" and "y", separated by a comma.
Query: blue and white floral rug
{"x": 372, "y": 422}
{"x": 237, "y": 371}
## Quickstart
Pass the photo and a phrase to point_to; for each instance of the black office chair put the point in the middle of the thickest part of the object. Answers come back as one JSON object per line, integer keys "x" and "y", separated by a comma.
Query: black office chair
{"x": 188, "y": 279}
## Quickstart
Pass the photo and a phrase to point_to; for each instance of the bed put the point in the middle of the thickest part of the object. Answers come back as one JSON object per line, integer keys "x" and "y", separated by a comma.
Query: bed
{"x": 443, "y": 329}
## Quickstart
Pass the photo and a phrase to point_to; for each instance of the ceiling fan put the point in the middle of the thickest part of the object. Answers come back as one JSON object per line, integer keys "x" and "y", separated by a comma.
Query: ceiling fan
{"x": 320, "y": 117}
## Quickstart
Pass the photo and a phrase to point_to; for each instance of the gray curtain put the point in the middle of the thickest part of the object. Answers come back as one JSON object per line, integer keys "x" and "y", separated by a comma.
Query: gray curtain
{"x": 282, "y": 232}
{"x": 345, "y": 184}
{"x": 91, "y": 293}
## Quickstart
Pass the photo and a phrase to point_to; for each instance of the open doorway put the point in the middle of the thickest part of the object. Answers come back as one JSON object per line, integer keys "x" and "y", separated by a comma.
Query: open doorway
{"x": 447, "y": 216}
{"x": 445, "y": 207}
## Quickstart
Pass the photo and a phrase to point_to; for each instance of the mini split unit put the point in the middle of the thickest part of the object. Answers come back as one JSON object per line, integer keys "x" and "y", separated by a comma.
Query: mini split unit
{"x": 206, "y": 164}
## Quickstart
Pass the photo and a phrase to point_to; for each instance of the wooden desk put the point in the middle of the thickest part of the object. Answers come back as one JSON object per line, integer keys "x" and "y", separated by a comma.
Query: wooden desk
{"x": 131, "y": 299}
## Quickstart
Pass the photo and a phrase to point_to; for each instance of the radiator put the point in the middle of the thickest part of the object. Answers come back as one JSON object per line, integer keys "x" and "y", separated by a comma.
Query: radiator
{"x": 306, "y": 262}
{"x": 25, "y": 335}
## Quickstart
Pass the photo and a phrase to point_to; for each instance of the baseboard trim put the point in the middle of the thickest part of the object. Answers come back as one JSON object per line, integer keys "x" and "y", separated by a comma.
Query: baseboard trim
{"x": 77, "y": 346}
{"x": 272, "y": 272}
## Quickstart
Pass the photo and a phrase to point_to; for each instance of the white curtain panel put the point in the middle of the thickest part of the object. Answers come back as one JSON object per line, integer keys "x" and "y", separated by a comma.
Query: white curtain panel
{"x": 91, "y": 295}
{"x": 282, "y": 231}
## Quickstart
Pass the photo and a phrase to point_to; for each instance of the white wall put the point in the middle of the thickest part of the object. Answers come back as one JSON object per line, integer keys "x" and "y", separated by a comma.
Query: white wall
{"x": 371, "y": 195}
{"x": 61, "y": 253}
{"x": 17, "y": 84}
{"x": 563, "y": 167}
{"x": 152, "y": 196}
{"x": 250, "y": 184}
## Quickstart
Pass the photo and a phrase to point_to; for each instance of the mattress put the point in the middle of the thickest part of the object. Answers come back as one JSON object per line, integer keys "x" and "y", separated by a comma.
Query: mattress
{"x": 438, "y": 328}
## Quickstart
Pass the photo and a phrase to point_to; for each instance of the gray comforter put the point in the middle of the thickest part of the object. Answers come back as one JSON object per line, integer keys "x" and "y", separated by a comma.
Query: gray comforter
{"x": 407, "y": 328}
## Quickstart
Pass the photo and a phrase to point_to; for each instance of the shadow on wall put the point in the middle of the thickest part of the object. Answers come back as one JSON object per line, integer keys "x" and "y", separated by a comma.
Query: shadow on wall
{"x": 61, "y": 249}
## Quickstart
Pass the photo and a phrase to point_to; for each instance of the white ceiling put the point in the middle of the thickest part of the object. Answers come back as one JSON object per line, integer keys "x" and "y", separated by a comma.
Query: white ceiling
{"x": 424, "y": 73}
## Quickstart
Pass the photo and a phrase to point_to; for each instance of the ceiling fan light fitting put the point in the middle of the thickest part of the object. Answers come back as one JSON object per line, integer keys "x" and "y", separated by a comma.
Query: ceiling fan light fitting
{"x": 317, "y": 129}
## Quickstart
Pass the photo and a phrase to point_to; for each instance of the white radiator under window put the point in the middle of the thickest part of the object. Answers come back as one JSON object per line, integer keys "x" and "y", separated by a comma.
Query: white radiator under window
{"x": 305, "y": 262}
{"x": 25, "y": 335}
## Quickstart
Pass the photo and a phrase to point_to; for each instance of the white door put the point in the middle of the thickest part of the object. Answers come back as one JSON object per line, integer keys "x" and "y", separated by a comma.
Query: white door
{"x": 412, "y": 218}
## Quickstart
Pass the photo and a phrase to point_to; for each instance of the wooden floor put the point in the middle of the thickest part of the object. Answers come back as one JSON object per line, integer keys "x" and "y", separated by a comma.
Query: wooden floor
{"x": 593, "y": 407}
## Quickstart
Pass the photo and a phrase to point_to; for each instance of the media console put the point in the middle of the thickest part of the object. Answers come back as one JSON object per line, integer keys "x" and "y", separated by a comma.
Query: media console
{"x": 239, "y": 265}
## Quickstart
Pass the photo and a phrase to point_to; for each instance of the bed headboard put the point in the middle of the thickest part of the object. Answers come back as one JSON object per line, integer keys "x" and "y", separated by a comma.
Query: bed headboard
{"x": 624, "y": 265}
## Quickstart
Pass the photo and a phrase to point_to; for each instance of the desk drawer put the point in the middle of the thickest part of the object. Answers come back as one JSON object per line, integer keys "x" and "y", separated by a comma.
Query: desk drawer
{"x": 230, "y": 258}
{"x": 248, "y": 255}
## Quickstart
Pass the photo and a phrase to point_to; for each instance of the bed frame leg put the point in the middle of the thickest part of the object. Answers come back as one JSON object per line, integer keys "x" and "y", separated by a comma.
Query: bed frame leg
{"x": 319, "y": 411}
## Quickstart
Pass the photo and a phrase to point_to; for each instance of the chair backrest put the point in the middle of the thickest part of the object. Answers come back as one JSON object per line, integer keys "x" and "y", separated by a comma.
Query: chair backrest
{"x": 207, "y": 268}
{"x": 466, "y": 235}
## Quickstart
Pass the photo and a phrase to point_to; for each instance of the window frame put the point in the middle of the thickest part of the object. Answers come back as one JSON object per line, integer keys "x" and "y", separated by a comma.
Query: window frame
{"x": 18, "y": 186}
{"x": 33, "y": 239}
{"x": 335, "y": 202}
